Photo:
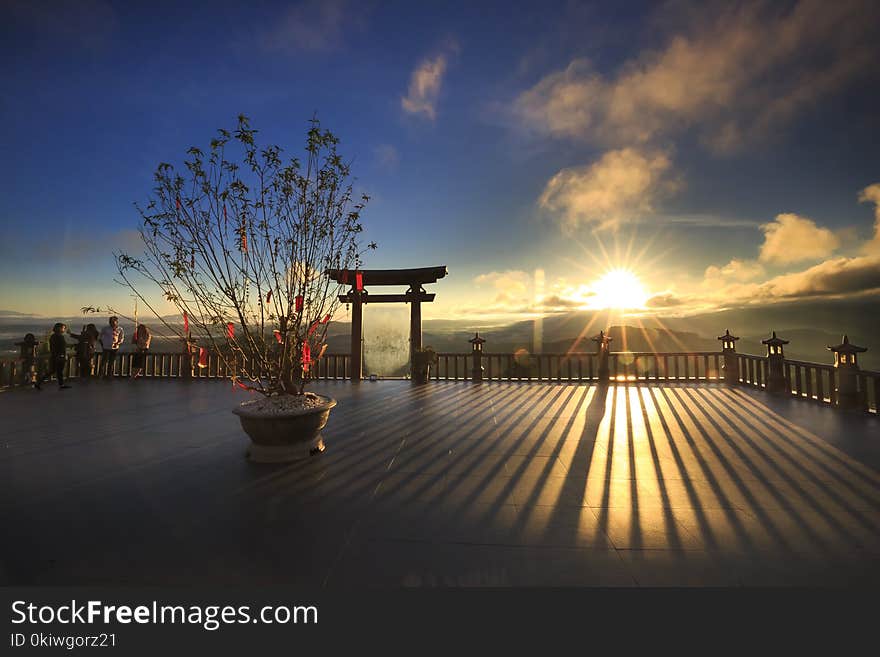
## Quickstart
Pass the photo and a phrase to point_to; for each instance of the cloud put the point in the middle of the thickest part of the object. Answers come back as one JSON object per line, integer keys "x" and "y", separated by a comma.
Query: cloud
{"x": 838, "y": 276}
{"x": 792, "y": 238}
{"x": 736, "y": 270}
{"x": 871, "y": 194}
{"x": 425, "y": 83}
{"x": 622, "y": 186}
{"x": 555, "y": 302}
{"x": 507, "y": 282}
{"x": 735, "y": 71}
{"x": 313, "y": 26}
{"x": 664, "y": 301}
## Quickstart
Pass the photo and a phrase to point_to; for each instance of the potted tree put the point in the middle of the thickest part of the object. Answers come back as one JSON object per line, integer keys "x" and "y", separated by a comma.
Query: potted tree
{"x": 238, "y": 243}
{"x": 423, "y": 359}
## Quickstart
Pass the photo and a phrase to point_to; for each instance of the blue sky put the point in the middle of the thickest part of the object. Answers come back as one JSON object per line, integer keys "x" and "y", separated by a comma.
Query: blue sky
{"x": 724, "y": 146}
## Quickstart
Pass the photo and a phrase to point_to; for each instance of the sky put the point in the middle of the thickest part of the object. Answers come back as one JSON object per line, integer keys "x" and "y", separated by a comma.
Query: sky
{"x": 723, "y": 154}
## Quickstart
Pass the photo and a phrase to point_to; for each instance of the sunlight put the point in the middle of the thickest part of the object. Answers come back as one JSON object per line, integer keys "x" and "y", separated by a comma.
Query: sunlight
{"x": 620, "y": 289}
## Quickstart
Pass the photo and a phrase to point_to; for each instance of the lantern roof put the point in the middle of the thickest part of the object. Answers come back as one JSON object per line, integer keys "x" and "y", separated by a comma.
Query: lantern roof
{"x": 476, "y": 339}
{"x": 846, "y": 348}
{"x": 774, "y": 341}
{"x": 727, "y": 336}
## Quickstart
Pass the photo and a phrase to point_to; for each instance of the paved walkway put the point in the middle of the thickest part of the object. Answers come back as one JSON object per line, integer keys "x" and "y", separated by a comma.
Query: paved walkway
{"x": 445, "y": 484}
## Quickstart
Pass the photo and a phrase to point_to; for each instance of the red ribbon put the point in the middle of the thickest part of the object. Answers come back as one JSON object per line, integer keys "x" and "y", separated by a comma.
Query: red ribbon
{"x": 326, "y": 319}
{"x": 203, "y": 357}
{"x": 314, "y": 325}
{"x": 230, "y": 330}
{"x": 185, "y": 323}
{"x": 299, "y": 303}
{"x": 359, "y": 281}
{"x": 244, "y": 241}
{"x": 277, "y": 335}
{"x": 241, "y": 385}
{"x": 307, "y": 353}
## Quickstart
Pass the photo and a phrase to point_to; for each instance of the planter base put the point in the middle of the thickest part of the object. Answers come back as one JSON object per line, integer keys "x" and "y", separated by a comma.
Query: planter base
{"x": 280, "y": 433}
{"x": 284, "y": 453}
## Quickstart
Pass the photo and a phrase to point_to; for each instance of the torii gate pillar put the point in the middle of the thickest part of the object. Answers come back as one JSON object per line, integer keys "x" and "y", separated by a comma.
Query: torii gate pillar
{"x": 415, "y": 319}
{"x": 357, "y": 335}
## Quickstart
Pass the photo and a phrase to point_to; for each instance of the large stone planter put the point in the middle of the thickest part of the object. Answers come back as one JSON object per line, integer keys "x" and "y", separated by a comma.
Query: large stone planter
{"x": 278, "y": 435}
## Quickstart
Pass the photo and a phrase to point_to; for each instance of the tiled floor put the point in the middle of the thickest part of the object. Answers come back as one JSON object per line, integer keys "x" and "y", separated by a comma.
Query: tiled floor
{"x": 448, "y": 484}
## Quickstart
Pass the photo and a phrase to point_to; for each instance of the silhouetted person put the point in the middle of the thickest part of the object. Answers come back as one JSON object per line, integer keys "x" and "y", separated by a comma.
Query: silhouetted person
{"x": 28, "y": 357}
{"x": 111, "y": 339}
{"x": 57, "y": 356}
{"x": 142, "y": 339}
{"x": 86, "y": 346}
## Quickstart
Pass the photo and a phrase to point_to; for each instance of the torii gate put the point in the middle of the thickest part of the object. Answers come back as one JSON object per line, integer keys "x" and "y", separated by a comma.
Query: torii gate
{"x": 415, "y": 278}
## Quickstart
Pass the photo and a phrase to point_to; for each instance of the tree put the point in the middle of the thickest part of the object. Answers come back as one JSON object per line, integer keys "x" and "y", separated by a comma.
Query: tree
{"x": 239, "y": 244}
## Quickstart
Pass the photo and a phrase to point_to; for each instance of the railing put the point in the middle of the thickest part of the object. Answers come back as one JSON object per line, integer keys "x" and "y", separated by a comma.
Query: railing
{"x": 815, "y": 382}
{"x": 810, "y": 381}
{"x": 161, "y": 365}
{"x": 622, "y": 365}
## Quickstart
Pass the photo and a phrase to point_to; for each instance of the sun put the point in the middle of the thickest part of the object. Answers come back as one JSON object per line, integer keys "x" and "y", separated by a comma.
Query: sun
{"x": 618, "y": 289}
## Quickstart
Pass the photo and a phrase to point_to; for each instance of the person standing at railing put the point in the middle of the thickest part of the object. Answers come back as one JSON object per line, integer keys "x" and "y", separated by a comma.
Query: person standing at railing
{"x": 58, "y": 357}
{"x": 112, "y": 337}
{"x": 28, "y": 358}
{"x": 85, "y": 349}
{"x": 142, "y": 339}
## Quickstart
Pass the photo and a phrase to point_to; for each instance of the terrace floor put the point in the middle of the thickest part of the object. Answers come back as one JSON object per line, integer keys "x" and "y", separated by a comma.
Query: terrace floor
{"x": 448, "y": 484}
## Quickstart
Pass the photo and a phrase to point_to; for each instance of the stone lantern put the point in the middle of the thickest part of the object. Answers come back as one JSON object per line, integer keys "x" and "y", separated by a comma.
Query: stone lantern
{"x": 602, "y": 341}
{"x": 846, "y": 363}
{"x": 731, "y": 362}
{"x": 776, "y": 381}
{"x": 477, "y": 355}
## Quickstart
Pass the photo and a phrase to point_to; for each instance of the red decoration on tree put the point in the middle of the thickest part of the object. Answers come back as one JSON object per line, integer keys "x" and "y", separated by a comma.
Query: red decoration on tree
{"x": 277, "y": 335}
{"x": 268, "y": 296}
{"x": 307, "y": 353}
{"x": 299, "y": 303}
{"x": 203, "y": 357}
{"x": 186, "y": 323}
{"x": 314, "y": 325}
{"x": 241, "y": 385}
{"x": 230, "y": 330}
{"x": 178, "y": 203}
{"x": 243, "y": 241}
{"x": 359, "y": 281}
{"x": 326, "y": 319}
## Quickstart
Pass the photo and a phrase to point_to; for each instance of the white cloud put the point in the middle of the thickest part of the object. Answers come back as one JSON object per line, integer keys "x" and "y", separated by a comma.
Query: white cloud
{"x": 792, "y": 238}
{"x": 735, "y": 270}
{"x": 622, "y": 186}
{"x": 424, "y": 87}
{"x": 511, "y": 282}
{"x": 737, "y": 73}
{"x": 871, "y": 194}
